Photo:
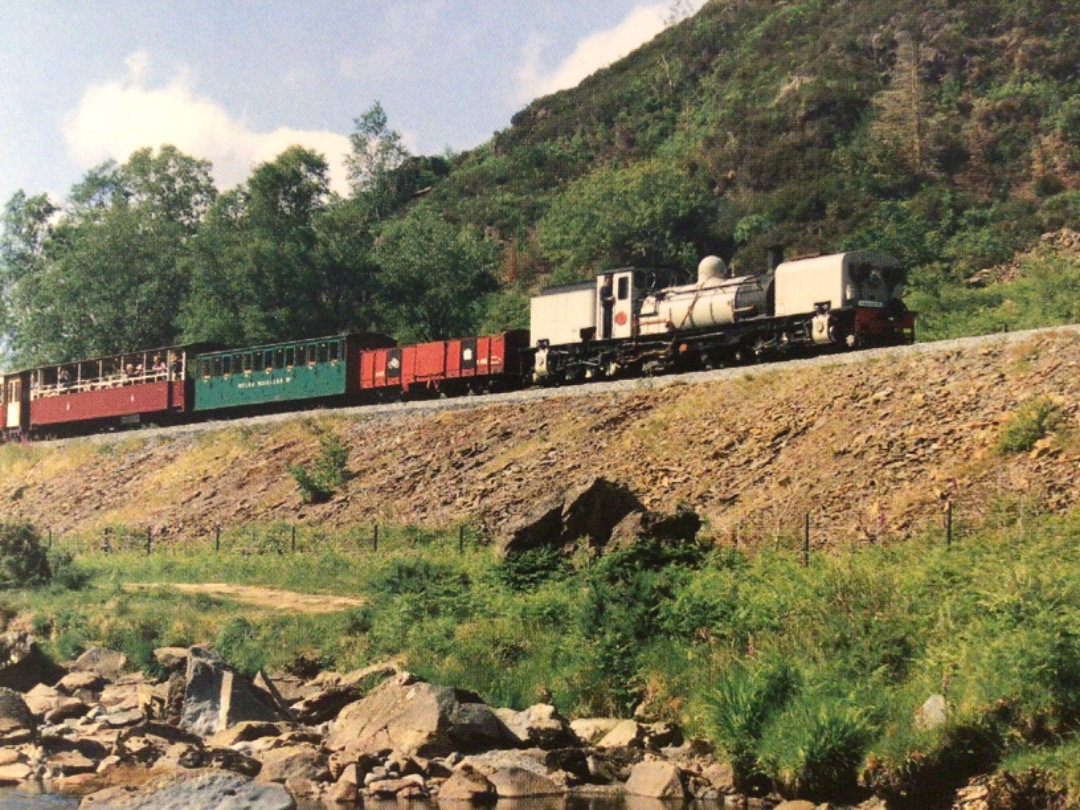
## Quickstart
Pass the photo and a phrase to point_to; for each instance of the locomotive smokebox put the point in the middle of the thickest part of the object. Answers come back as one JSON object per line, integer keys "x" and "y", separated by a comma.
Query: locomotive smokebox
{"x": 776, "y": 256}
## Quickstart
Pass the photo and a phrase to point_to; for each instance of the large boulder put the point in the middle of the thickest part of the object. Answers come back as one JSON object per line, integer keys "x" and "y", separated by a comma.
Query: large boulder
{"x": 467, "y": 785}
{"x": 17, "y": 723}
{"x": 590, "y": 510}
{"x": 540, "y": 725}
{"x": 598, "y": 510}
{"x": 656, "y": 779}
{"x": 415, "y": 717}
{"x": 304, "y": 760}
{"x": 109, "y": 664}
{"x": 519, "y": 783}
{"x": 22, "y": 664}
{"x": 217, "y": 697}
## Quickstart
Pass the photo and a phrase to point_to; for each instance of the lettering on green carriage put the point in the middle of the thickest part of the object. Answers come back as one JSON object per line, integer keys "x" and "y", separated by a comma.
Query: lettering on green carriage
{"x": 264, "y": 383}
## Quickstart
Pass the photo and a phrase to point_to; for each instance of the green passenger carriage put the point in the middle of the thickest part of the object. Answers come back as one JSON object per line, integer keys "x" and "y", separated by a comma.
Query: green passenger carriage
{"x": 320, "y": 369}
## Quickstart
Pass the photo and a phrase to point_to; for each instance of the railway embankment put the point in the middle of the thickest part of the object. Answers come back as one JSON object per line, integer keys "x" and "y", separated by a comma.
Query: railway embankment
{"x": 872, "y": 447}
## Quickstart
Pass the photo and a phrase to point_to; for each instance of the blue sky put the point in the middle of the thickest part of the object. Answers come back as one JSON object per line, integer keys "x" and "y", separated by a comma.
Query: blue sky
{"x": 237, "y": 81}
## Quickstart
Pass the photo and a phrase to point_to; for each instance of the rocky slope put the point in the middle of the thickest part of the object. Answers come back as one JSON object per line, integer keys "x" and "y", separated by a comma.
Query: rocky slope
{"x": 870, "y": 448}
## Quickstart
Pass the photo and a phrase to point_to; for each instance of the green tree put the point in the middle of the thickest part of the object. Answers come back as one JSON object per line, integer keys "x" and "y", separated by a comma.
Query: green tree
{"x": 648, "y": 213}
{"x": 377, "y": 151}
{"x": 433, "y": 277}
{"x": 105, "y": 273}
{"x": 256, "y": 269}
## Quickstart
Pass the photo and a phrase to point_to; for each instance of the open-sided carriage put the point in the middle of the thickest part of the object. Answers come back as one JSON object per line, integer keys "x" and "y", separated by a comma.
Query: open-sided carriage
{"x": 133, "y": 388}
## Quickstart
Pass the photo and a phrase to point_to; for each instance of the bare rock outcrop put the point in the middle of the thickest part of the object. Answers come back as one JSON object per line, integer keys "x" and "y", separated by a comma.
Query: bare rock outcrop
{"x": 597, "y": 510}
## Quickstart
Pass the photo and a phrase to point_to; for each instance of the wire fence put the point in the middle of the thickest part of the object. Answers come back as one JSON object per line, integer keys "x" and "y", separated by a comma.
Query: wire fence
{"x": 805, "y": 533}
{"x": 259, "y": 539}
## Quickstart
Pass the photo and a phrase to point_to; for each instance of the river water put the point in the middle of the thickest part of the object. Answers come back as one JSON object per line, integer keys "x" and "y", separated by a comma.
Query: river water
{"x": 11, "y": 799}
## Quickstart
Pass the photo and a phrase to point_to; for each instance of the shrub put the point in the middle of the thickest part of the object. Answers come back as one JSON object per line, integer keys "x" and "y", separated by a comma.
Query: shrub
{"x": 1031, "y": 421}
{"x": 66, "y": 575}
{"x": 528, "y": 569}
{"x": 24, "y": 561}
{"x": 328, "y": 471}
{"x": 742, "y": 704}
{"x": 311, "y": 491}
{"x": 819, "y": 747}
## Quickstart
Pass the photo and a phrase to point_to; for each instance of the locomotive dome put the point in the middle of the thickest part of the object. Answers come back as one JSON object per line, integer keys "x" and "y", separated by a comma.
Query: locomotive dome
{"x": 711, "y": 267}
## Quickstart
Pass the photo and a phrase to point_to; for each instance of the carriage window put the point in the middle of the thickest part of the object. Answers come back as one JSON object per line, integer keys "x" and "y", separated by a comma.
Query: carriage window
{"x": 204, "y": 368}
{"x": 279, "y": 358}
{"x": 324, "y": 352}
{"x": 226, "y": 366}
{"x": 215, "y": 366}
{"x": 312, "y": 356}
{"x": 335, "y": 349}
{"x": 624, "y": 288}
{"x": 290, "y": 357}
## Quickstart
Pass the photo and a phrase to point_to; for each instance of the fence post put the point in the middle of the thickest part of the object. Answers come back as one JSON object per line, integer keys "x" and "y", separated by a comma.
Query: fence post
{"x": 461, "y": 539}
{"x": 148, "y": 536}
{"x": 806, "y": 541}
{"x": 375, "y": 537}
{"x": 50, "y": 539}
{"x": 217, "y": 538}
{"x": 948, "y": 524}
{"x": 294, "y": 538}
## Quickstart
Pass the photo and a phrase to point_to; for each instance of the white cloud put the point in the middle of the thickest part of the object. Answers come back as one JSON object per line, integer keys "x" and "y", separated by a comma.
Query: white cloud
{"x": 593, "y": 52}
{"x": 114, "y": 119}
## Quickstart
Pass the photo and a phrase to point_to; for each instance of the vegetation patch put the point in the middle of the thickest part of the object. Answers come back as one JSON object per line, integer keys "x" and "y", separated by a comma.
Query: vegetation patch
{"x": 809, "y": 679}
{"x": 1033, "y": 420}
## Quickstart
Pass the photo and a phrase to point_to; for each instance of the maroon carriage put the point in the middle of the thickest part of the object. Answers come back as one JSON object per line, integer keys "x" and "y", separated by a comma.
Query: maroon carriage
{"x": 146, "y": 387}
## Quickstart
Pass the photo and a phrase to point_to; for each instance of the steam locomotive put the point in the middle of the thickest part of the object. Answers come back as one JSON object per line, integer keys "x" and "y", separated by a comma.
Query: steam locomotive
{"x": 625, "y": 322}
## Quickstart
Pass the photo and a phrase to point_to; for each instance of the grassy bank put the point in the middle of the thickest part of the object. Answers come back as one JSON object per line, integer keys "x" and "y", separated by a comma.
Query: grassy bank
{"x": 804, "y": 676}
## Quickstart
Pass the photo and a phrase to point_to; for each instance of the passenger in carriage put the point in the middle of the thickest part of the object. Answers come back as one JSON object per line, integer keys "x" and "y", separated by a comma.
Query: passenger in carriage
{"x": 64, "y": 378}
{"x": 159, "y": 365}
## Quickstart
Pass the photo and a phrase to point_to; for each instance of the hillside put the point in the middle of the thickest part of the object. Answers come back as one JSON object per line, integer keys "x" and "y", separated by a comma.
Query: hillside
{"x": 942, "y": 132}
{"x": 870, "y": 445}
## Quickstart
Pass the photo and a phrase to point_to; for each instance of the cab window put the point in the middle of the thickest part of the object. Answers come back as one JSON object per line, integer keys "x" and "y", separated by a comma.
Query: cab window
{"x": 623, "y": 288}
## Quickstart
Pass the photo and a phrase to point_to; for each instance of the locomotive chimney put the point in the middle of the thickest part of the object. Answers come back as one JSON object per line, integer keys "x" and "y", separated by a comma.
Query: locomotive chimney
{"x": 776, "y": 256}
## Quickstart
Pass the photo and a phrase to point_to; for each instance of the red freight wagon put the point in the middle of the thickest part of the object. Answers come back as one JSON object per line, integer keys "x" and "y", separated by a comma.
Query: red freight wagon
{"x": 448, "y": 366}
{"x": 125, "y": 389}
{"x": 380, "y": 370}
